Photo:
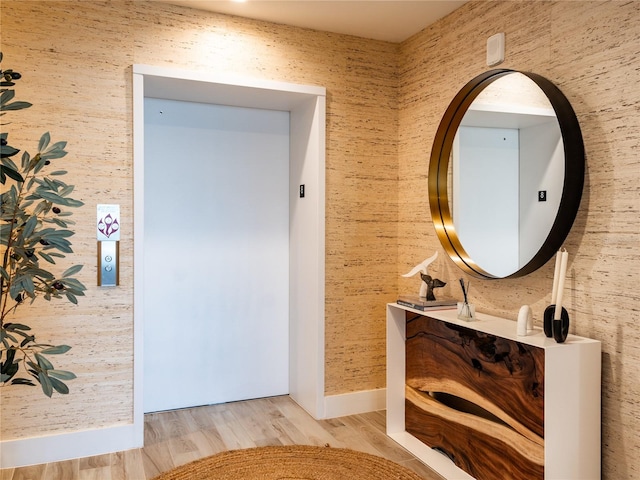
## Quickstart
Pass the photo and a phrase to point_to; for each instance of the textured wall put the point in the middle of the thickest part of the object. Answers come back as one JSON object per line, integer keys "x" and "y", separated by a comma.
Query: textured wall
{"x": 76, "y": 60}
{"x": 76, "y": 57}
{"x": 591, "y": 50}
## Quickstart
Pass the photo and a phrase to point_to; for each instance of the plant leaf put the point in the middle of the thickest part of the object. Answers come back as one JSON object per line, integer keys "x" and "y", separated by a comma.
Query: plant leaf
{"x": 45, "y": 383}
{"x": 26, "y": 158}
{"x": 22, "y": 381}
{"x": 74, "y": 284}
{"x": 58, "y": 146}
{"x": 43, "y": 362}
{"x": 60, "y": 243}
{"x": 15, "y": 106}
{"x": 44, "y": 141}
{"x": 53, "y": 153}
{"x": 57, "y": 350}
{"x": 8, "y": 172}
{"x": 7, "y": 96}
{"x": 71, "y": 297}
{"x": 47, "y": 257}
{"x": 16, "y": 326}
{"x": 11, "y": 353}
{"x": 71, "y": 271}
{"x": 51, "y": 196}
{"x": 59, "y": 386}
{"x": 62, "y": 374}
{"x": 10, "y": 337}
{"x": 71, "y": 202}
{"x": 30, "y": 226}
{"x": 9, "y": 163}
{"x": 7, "y": 151}
{"x": 60, "y": 222}
{"x": 66, "y": 190}
{"x": 27, "y": 339}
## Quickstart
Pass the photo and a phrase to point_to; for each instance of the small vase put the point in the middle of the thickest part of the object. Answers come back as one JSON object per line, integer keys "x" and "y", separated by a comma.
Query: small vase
{"x": 466, "y": 311}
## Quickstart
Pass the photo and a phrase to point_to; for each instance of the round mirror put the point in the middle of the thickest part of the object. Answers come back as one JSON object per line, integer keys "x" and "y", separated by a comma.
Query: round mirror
{"x": 506, "y": 174}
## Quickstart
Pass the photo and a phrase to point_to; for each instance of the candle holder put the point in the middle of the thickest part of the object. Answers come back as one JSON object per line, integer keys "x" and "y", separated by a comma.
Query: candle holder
{"x": 558, "y": 329}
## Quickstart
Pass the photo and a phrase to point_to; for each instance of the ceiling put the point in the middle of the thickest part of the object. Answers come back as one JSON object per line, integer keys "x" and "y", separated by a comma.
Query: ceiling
{"x": 392, "y": 21}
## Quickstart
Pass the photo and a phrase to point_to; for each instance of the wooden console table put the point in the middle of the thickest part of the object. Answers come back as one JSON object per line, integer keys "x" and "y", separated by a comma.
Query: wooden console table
{"x": 474, "y": 400}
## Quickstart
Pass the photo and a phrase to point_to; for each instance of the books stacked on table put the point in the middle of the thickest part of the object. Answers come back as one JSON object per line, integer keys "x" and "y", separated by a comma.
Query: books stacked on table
{"x": 421, "y": 303}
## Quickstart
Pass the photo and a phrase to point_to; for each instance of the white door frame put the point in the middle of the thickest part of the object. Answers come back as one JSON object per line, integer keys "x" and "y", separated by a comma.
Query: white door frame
{"x": 306, "y": 105}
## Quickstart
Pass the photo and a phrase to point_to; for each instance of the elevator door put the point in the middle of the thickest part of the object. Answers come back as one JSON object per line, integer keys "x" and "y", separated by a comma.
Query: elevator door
{"x": 216, "y": 254}
{"x": 486, "y": 197}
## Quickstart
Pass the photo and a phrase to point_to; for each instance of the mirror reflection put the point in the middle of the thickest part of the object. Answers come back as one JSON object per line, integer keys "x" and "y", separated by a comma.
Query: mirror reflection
{"x": 506, "y": 174}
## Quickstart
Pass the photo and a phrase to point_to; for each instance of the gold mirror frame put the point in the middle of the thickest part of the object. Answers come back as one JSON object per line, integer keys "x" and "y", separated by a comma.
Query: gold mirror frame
{"x": 574, "y": 163}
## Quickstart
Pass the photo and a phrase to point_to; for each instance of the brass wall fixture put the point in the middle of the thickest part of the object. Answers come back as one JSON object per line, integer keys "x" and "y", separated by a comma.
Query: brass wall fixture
{"x": 567, "y": 151}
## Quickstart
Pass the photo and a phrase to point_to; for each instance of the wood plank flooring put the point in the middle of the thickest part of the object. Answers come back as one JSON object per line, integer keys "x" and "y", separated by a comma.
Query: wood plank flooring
{"x": 176, "y": 437}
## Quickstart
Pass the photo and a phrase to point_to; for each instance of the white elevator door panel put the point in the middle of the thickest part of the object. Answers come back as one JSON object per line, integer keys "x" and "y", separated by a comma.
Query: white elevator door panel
{"x": 486, "y": 206}
{"x": 216, "y": 254}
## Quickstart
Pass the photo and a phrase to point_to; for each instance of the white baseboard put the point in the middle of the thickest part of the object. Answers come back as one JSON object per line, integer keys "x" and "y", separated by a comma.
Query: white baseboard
{"x": 65, "y": 446}
{"x": 87, "y": 443}
{"x": 355, "y": 402}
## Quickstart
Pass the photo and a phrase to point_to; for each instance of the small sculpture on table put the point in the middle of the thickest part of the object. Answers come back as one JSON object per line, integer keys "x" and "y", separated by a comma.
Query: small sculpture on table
{"x": 428, "y": 283}
{"x": 431, "y": 284}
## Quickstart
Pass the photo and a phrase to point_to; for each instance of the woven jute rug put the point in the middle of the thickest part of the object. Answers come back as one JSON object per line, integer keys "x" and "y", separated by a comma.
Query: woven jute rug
{"x": 297, "y": 462}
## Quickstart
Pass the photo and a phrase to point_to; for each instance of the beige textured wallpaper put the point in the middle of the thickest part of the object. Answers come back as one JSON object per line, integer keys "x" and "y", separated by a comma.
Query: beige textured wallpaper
{"x": 76, "y": 57}
{"x": 384, "y": 102}
{"x": 591, "y": 50}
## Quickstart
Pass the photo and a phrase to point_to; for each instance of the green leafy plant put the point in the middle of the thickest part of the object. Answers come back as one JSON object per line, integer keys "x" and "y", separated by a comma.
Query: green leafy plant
{"x": 34, "y": 233}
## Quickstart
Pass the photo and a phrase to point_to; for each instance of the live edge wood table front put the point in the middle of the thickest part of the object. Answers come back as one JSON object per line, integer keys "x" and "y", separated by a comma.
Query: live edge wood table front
{"x": 474, "y": 400}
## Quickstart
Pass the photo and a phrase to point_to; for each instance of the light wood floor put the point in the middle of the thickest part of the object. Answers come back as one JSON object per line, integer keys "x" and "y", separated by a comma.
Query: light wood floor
{"x": 180, "y": 436}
